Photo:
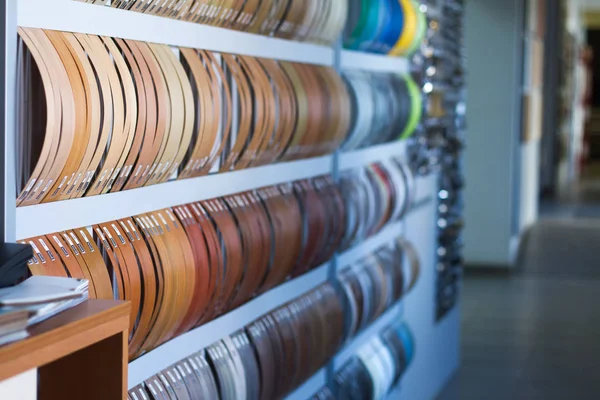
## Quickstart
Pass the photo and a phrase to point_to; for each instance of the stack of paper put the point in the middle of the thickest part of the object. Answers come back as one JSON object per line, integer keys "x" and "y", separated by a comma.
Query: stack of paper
{"x": 36, "y": 299}
{"x": 13, "y": 325}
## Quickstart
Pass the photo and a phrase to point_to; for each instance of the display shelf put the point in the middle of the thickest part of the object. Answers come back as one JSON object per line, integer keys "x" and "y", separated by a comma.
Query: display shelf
{"x": 426, "y": 189}
{"x": 207, "y": 334}
{"x": 310, "y": 387}
{"x": 372, "y": 62}
{"x": 55, "y": 217}
{"x": 385, "y": 236}
{"x": 75, "y": 16}
{"x": 390, "y": 316}
{"x": 363, "y": 157}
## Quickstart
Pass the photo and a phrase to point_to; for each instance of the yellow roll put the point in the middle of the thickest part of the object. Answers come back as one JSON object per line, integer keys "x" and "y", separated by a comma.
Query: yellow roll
{"x": 408, "y": 31}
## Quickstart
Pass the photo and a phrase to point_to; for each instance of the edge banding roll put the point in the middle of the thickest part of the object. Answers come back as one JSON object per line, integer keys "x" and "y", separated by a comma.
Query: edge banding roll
{"x": 145, "y": 113}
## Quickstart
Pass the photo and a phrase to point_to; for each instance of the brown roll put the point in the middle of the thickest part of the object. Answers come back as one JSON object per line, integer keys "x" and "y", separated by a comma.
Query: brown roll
{"x": 318, "y": 21}
{"x": 145, "y": 115}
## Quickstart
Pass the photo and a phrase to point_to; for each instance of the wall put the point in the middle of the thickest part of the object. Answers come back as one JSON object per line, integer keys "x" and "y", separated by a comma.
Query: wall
{"x": 20, "y": 387}
{"x": 492, "y": 158}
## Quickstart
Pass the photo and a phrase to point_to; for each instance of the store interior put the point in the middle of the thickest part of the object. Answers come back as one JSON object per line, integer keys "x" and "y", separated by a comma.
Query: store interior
{"x": 299, "y": 199}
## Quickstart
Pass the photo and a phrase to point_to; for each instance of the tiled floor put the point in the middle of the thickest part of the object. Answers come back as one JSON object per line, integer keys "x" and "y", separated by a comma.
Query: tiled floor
{"x": 535, "y": 334}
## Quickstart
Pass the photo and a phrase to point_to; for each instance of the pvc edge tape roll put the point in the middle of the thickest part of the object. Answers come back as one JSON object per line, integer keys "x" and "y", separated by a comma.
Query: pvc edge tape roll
{"x": 379, "y": 25}
{"x": 416, "y": 107}
{"x": 384, "y": 107}
{"x": 421, "y": 30}
{"x": 409, "y": 29}
{"x": 184, "y": 266}
{"x": 376, "y": 367}
{"x": 147, "y": 115}
{"x": 264, "y": 360}
{"x": 315, "y": 21}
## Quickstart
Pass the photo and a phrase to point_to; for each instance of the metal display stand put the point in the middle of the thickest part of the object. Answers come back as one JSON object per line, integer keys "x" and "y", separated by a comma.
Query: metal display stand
{"x": 418, "y": 226}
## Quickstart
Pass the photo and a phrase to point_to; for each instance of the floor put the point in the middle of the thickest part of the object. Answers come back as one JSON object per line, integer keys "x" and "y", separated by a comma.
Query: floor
{"x": 534, "y": 334}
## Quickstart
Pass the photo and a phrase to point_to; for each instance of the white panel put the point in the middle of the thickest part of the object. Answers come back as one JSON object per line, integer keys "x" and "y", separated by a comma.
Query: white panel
{"x": 387, "y": 235}
{"x": 373, "y": 62}
{"x": 530, "y": 177}
{"x": 74, "y": 16}
{"x": 20, "y": 387}
{"x": 426, "y": 188}
{"x": 437, "y": 344}
{"x": 199, "y": 338}
{"x": 363, "y": 157}
{"x": 58, "y": 216}
{"x": 310, "y": 387}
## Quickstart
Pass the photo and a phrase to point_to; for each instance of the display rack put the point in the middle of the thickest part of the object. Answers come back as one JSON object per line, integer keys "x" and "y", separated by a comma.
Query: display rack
{"x": 69, "y": 15}
{"x": 86, "y": 211}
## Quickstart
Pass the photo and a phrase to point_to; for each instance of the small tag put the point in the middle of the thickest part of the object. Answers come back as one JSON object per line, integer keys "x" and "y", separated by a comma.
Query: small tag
{"x": 101, "y": 178}
{"x": 173, "y": 219}
{"x": 82, "y": 233}
{"x": 128, "y": 171}
{"x": 196, "y": 209}
{"x": 133, "y": 229}
{"x": 102, "y": 238}
{"x": 27, "y": 189}
{"x": 59, "y": 244}
{"x": 164, "y": 222}
{"x": 188, "y": 213}
{"x": 39, "y": 253}
{"x": 194, "y": 365}
{"x": 109, "y": 236}
{"x": 154, "y": 168}
{"x": 121, "y": 238}
{"x": 45, "y": 189}
{"x": 171, "y": 377}
{"x": 160, "y": 229}
{"x": 60, "y": 186}
{"x": 50, "y": 254}
{"x": 127, "y": 231}
{"x": 152, "y": 389}
{"x": 142, "y": 224}
{"x": 37, "y": 187}
{"x": 165, "y": 167}
{"x": 80, "y": 184}
{"x": 73, "y": 246}
{"x": 155, "y": 228}
{"x": 187, "y": 367}
{"x": 143, "y": 394}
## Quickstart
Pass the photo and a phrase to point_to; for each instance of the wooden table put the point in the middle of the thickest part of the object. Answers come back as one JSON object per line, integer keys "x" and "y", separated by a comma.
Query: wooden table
{"x": 80, "y": 354}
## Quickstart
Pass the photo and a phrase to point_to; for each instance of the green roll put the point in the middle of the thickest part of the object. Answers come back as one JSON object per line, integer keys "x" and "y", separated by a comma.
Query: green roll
{"x": 416, "y": 111}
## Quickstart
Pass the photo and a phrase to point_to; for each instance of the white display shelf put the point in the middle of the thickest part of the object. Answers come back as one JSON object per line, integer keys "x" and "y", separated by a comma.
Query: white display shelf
{"x": 357, "y": 60}
{"x": 199, "y": 338}
{"x": 364, "y": 157}
{"x": 75, "y": 16}
{"x": 385, "y": 236}
{"x": 393, "y": 314}
{"x": 310, "y": 387}
{"x": 368, "y": 246}
{"x": 58, "y": 216}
